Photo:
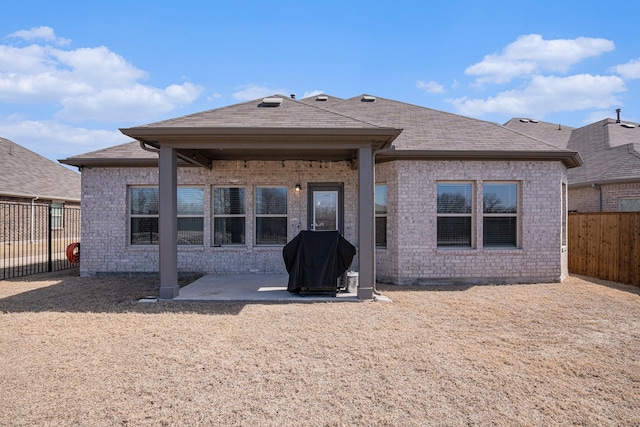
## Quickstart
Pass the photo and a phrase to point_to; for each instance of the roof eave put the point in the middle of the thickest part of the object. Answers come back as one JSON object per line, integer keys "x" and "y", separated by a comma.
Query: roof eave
{"x": 570, "y": 159}
{"x": 158, "y": 133}
{"x": 81, "y": 162}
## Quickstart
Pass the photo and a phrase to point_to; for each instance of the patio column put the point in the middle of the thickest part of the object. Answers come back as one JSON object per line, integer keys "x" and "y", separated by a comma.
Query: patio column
{"x": 366, "y": 224}
{"x": 168, "y": 222}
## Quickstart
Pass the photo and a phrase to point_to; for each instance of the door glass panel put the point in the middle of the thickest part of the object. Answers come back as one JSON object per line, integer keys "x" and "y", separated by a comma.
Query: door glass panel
{"x": 325, "y": 210}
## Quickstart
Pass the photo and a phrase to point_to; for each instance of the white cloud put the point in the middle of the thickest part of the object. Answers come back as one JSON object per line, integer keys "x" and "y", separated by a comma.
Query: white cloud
{"x": 596, "y": 116}
{"x": 312, "y": 93}
{"x": 430, "y": 86}
{"x": 40, "y": 33}
{"x": 134, "y": 103}
{"x": 531, "y": 54}
{"x": 548, "y": 94}
{"x": 252, "y": 91}
{"x": 55, "y": 140}
{"x": 89, "y": 83}
{"x": 630, "y": 70}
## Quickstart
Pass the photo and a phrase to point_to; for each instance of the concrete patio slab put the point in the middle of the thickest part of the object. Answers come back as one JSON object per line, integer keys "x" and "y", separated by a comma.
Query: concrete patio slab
{"x": 251, "y": 287}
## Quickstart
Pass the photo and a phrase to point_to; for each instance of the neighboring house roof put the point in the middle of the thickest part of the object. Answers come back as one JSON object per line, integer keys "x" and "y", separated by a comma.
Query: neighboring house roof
{"x": 24, "y": 173}
{"x": 416, "y": 132}
{"x": 610, "y": 150}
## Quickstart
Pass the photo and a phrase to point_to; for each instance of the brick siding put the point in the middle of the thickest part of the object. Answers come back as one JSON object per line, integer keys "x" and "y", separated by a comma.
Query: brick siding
{"x": 411, "y": 255}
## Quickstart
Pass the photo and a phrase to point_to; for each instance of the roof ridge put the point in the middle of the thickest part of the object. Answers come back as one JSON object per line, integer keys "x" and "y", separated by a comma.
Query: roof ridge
{"x": 328, "y": 109}
{"x": 535, "y": 138}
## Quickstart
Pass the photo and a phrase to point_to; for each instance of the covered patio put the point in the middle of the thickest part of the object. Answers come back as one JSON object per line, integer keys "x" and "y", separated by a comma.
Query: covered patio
{"x": 298, "y": 132}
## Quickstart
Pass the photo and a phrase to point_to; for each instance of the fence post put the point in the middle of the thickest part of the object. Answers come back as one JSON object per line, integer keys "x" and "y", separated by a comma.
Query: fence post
{"x": 50, "y": 240}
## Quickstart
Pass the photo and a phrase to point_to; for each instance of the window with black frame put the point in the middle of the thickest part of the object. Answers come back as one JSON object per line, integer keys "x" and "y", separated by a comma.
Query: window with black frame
{"x": 455, "y": 201}
{"x": 144, "y": 214}
{"x": 500, "y": 214}
{"x": 229, "y": 216}
{"x": 271, "y": 215}
{"x": 381, "y": 215}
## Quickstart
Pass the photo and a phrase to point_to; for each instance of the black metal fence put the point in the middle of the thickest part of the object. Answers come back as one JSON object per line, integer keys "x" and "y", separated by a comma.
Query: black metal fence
{"x": 34, "y": 238}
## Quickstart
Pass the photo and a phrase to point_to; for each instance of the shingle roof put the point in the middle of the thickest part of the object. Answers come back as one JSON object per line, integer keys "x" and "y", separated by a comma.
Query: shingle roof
{"x": 610, "y": 150}
{"x": 428, "y": 129}
{"x": 24, "y": 173}
{"x": 255, "y": 114}
{"x": 321, "y": 100}
{"x": 424, "y": 131}
{"x": 555, "y": 134}
{"x": 118, "y": 155}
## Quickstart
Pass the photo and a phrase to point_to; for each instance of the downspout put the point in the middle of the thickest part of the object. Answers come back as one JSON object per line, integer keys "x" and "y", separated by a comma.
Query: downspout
{"x": 151, "y": 150}
{"x": 599, "y": 190}
{"x": 375, "y": 274}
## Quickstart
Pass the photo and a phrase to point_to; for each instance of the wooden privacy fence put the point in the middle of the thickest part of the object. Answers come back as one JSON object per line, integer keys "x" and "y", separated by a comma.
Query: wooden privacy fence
{"x": 605, "y": 245}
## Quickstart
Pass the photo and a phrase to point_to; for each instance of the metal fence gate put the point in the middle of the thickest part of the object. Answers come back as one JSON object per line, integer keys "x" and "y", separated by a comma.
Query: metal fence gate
{"x": 34, "y": 238}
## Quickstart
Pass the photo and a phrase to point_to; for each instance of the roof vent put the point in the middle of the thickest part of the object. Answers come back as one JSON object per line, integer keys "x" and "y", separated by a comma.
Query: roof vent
{"x": 618, "y": 114}
{"x": 271, "y": 102}
{"x": 368, "y": 98}
{"x": 627, "y": 125}
{"x": 322, "y": 98}
{"x": 533, "y": 120}
{"x": 524, "y": 120}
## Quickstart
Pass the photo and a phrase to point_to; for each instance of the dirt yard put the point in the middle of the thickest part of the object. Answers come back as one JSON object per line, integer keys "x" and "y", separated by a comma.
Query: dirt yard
{"x": 82, "y": 351}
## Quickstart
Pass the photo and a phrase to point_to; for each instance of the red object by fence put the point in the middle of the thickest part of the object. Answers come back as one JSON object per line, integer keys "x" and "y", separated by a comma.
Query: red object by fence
{"x": 73, "y": 253}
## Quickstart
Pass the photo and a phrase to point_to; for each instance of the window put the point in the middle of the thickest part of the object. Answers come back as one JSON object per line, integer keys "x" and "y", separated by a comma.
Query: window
{"x": 228, "y": 216}
{"x": 455, "y": 200}
{"x": 144, "y": 209}
{"x": 190, "y": 215}
{"x": 500, "y": 219}
{"x": 630, "y": 205}
{"x": 57, "y": 215}
{"x": 271, "y": 215}
{"x": 381, "y": 215}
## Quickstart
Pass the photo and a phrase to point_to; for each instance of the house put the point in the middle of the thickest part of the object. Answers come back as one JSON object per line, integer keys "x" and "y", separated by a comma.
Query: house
{"x": 609, "y": 180}
{"x": 28, "y": 180}
{"x": 425, "y": 196}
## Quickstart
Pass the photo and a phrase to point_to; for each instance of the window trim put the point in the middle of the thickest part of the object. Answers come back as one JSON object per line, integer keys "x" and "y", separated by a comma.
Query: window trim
{"x": 471, "y": 215}
{"x": 214, "y": 216}
{"x": 517, "y": 215}
{"x": 256, "y": 215}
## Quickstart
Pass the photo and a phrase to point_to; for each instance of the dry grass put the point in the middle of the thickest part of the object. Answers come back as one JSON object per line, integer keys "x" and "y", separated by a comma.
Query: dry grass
{"x": 81, "y": 351}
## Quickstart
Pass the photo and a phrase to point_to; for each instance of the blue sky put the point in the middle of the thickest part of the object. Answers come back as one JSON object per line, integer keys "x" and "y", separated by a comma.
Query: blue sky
{"x": 73, "y": 72}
